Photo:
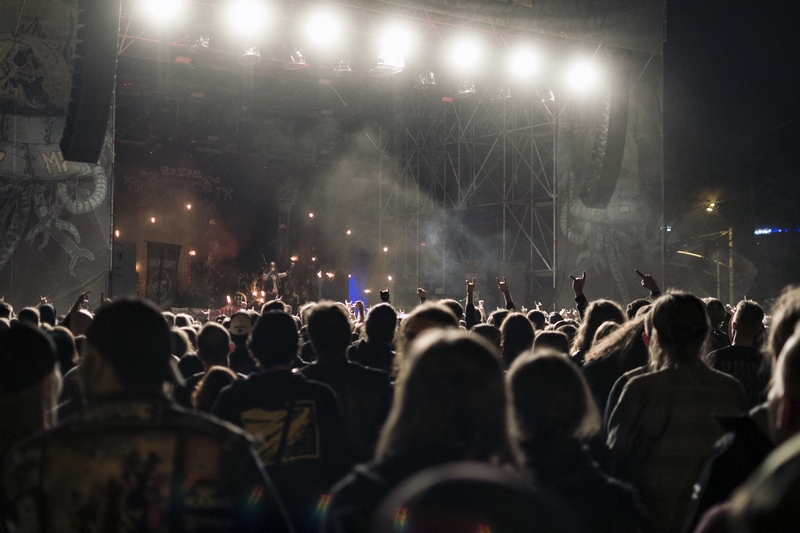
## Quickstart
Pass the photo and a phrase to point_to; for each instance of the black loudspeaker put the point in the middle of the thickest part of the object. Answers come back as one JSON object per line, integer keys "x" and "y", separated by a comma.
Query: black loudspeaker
{"x": 93, "y": 78}
{"x": 123, "y": 270}
{"x": 609, "y": 145}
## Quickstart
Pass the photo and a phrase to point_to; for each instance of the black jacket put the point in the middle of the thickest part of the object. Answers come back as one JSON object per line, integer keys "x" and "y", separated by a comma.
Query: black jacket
{"x": 299, "y": 434}
{"x": 605, "y": 504}
{"x": 364, "y": 395}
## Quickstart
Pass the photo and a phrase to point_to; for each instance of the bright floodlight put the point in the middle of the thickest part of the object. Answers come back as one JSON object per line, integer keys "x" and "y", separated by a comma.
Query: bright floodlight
{"x": 465, "y": 53}
{"x": 525, "y": 63}
{"x": 323, "y": 27}
{"x": 247, "y": 18}
{"x": 396, "y": 37}
{"x": 163, "y": 11}
{"x": 583, "y": 75}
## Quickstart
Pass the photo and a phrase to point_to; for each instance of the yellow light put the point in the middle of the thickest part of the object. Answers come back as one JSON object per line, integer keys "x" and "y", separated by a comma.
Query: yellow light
{"x": 293, "y": 258}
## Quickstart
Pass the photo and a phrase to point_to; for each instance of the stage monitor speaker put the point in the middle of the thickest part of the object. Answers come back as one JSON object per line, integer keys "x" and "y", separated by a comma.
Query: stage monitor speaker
{"x": 92, "y": 81}
{"x": 123, "y": 270}
{"x": 609, "y": 145}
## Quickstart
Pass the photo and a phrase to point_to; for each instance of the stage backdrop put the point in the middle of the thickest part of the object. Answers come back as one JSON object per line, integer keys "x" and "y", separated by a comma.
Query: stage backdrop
{"x": 54, "y": 214}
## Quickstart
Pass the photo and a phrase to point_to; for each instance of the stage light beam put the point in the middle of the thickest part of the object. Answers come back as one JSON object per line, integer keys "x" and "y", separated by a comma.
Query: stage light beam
{"x": 323, "y": 27}
{"x": 163, "y": 11}
{"x": 583, "y": 75}
{"x": 247, "y": 18}
{"x": 465, "y": 53}
{"x": 525, "y": 63}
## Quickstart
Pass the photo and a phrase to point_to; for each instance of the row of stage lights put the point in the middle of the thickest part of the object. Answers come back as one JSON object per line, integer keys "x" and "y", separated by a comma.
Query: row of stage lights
{"x": 323, "y": 28}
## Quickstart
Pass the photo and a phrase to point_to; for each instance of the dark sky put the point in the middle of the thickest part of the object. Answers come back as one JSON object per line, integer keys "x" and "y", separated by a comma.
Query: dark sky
{"x": 731, "y": 124}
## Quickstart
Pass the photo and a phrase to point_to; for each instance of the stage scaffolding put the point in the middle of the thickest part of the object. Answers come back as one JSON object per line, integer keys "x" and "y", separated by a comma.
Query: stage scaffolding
{"x": 477, "y": 186}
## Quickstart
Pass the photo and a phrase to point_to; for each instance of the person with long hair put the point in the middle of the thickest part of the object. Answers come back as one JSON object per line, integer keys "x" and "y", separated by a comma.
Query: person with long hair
{"x": 598, "y": 312}
{"x": 555, "y": 414}
{"x": 663, "y": 427}
{"x": 450, "y": 405}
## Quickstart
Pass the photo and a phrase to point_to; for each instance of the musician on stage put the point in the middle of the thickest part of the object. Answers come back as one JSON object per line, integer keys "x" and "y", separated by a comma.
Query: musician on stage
{"x": 272, "y": 280}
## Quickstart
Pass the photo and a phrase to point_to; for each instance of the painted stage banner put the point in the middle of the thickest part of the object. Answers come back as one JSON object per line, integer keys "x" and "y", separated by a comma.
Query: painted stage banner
{"x": 162, "y": 272}
{"x": 54, "y": 214}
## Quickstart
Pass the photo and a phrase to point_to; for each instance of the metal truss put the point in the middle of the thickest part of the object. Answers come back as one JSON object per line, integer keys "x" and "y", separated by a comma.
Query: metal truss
{"x": 478, "y": 184}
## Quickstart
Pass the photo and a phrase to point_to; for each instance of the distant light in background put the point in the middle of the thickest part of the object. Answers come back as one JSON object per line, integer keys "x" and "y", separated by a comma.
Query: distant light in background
{"x": 313, "y": 258}
{"x": 323, "y": 27}
{"x": 116, "y": 233}
{"x": 255, "y": 293}
{"x": 385, "y": 249}
{"x": 349, "y": 232}
{"x": 710, "y": 206}
{"x": 582, "y": 75}
{"x": 192, "y": 253}
{"x": 311, "y": 215}
{"x": 393, "y": 43}
{"x": 367, "y": 291}
{"x": 465, "y": 53}
{"x": 422, "y": 244}
{"x": 525, "y": 62}
{"x": 389, "y": 278}
{"x": 163, "y": 11}
{"x": 189, "y": 206}
{"x": 329, "y": 274}
{"x": 319, "y": 274}
{"x": 293, "y": 258}
{"x": 250, "y": 56}
{"x": 349, "y": 276}
{"x": 153, "y": 220}
{"x": 247, "y": 18}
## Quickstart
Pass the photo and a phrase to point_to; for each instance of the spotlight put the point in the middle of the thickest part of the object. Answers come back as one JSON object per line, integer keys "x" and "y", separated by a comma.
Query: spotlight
{"x": 465, "y": 53}
{"x": 583, "y": 75}
{"x": 466, "y": 87}
{"x": 313, "y": 259}
{"x": 425, "y": 79}
{"x": 247, "y": 18}
{"x": 524, "y": 63}
{"x": 311, "y": 215}
{"x": 295, "y": 59}
{"x": 349, "y": 232}
{"x": 349, "y": 276}
{"x": 250, "y": 56}
{"x": 201, "y": 43}
{"x": 163, "y": 11}
{"x": 385, "y": 249}
{"x": 388, "y": 62}
{"x": 323, "y": 27}
{"x": 116, "y": 233}
{"x": 395, "y": 36}
{"x": 343, "y": 67}
{"x": 389, "y": 278}
{"x": 153, "y": 220}
{"x": 189, "y": 206}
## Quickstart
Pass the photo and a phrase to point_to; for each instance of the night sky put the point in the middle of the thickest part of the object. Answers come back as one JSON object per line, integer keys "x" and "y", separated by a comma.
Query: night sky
{"x": 731, "y": 99}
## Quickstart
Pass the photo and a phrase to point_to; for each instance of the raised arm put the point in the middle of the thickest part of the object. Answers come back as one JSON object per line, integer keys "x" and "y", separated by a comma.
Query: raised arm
{"x": 577, "y": 289}
{"x": 503, "y": 286}
{"x": 423, "y": 295}
{"x": 470, "y": 318}
{"x": 650, "y": 284}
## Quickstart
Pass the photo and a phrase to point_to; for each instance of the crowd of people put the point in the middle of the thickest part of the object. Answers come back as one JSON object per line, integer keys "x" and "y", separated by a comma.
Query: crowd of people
{"x": 668, "y": 414}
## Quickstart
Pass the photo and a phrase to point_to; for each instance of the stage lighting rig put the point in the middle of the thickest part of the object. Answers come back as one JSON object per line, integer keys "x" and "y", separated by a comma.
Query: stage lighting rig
{"x": 465, "y": 53}
{"x": 250, "y": 56}
{"x": 524, "y": 62}
{"x": 466, "y": 87}
{"x": 426, "y": 79}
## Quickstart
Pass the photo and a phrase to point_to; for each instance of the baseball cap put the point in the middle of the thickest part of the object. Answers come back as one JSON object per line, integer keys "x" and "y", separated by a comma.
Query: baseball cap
{"x": 241, "y": 324}
{"x": 135, "y": 338}
{"x": 26, "y": 356}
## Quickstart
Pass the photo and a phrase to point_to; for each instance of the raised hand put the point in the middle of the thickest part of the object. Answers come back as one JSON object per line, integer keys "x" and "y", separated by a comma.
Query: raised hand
{"x": 578, "y": 283}
{"x": 648, "y": 282}
{"x": 471, "y": 286}
{"x": 422, "y": 293}
{"x": 502, "y": 285}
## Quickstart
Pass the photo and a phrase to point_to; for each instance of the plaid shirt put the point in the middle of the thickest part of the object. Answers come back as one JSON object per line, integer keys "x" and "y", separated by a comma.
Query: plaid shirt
{"x": 662, "y": 430}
